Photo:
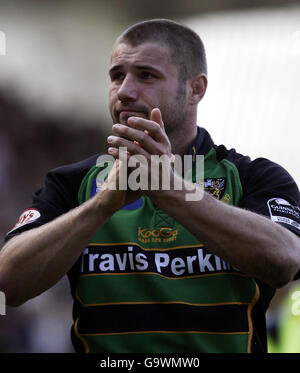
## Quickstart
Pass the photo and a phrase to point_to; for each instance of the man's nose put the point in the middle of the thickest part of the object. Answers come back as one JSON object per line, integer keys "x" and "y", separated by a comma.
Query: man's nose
{"x": 128, "y": 89}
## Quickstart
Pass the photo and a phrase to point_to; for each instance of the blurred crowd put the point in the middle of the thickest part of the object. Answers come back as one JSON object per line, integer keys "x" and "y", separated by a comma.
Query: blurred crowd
{"x": 31, "y": 145}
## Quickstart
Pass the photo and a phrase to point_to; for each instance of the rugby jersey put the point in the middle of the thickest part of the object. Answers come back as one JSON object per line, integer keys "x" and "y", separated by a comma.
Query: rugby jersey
{"x": 146, "y": 284}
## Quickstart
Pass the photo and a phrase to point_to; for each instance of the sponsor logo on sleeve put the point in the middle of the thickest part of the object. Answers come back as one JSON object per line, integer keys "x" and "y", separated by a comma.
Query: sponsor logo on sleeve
{"x": 28, "y": 216}
{"x": 281, "y": 211}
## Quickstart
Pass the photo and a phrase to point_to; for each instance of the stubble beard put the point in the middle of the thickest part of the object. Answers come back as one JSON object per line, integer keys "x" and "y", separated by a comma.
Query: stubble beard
{"x": 174, "y": 115}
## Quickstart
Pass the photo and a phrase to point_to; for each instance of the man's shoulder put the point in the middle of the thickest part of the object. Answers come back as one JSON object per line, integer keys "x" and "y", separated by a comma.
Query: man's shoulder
{"x": 259, "y": 173}
{"x": 66, "y": 180}
{"x": 245, "y": 163}
{"x": 253, "y": 170}
{"x": 76, "y": 169}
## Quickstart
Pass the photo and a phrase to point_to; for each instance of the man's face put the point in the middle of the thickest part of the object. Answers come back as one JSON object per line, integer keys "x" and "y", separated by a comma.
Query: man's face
{"x": 142, "y": 78}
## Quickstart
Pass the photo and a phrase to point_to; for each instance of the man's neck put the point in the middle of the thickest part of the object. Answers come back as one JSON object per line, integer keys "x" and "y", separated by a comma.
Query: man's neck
{"x": 181, "y": 140}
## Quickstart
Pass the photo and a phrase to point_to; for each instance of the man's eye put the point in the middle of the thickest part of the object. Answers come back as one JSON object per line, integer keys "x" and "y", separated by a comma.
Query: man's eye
{"x": 117, "y": 76}
{"x": 146, "y": 75}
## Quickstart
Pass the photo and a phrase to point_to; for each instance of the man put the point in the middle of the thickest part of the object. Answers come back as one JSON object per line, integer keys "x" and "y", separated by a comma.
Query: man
{"x": 149, "y": 270}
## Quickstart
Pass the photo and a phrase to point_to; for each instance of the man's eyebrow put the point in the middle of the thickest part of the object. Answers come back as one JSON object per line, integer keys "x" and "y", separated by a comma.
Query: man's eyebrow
{"x": 138, "y": 67}
{"x": 147, "y": 67}
{"x": 114, "y": 68}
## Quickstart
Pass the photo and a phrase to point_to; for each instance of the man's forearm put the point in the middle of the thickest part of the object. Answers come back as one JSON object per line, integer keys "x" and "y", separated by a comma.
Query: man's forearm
{"x": 35, "y": 260}
{"x": 250, "y": 242}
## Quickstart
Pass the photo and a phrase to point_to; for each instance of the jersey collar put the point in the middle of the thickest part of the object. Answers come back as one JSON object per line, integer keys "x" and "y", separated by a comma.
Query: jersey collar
{"x": 202, "y": 144}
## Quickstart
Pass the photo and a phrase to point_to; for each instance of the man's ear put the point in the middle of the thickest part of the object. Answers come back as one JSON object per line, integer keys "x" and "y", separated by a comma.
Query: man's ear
{"x": 197, "y": 88}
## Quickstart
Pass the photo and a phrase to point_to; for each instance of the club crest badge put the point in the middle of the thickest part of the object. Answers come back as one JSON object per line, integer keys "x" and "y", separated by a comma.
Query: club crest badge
{"x": 216, "y": 187}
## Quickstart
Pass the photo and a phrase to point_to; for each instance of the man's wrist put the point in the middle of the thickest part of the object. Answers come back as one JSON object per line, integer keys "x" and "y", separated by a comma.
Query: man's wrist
{"x": 181, "y": 191}
{"x": 101, "y": 208}
{"x": 159, "y": 197}
{"x": 169, "y": 195}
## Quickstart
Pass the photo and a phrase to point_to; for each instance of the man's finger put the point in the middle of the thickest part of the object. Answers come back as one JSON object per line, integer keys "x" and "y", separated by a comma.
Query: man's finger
{"x": 155, "y": 116}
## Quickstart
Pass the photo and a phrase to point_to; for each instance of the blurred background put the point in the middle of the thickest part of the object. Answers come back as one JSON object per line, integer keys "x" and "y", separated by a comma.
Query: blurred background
{"x": 54, "y": 58}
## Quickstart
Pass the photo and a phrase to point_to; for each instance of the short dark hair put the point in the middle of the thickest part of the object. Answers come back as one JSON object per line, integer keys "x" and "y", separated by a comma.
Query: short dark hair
{"x": 185, "y": 46}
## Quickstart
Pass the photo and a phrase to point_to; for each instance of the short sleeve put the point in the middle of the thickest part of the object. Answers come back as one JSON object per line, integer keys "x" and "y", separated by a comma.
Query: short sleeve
{"x": 271, "y": 191}
{"x": 48, "y": 203}
{"x": 58, "y": 195}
